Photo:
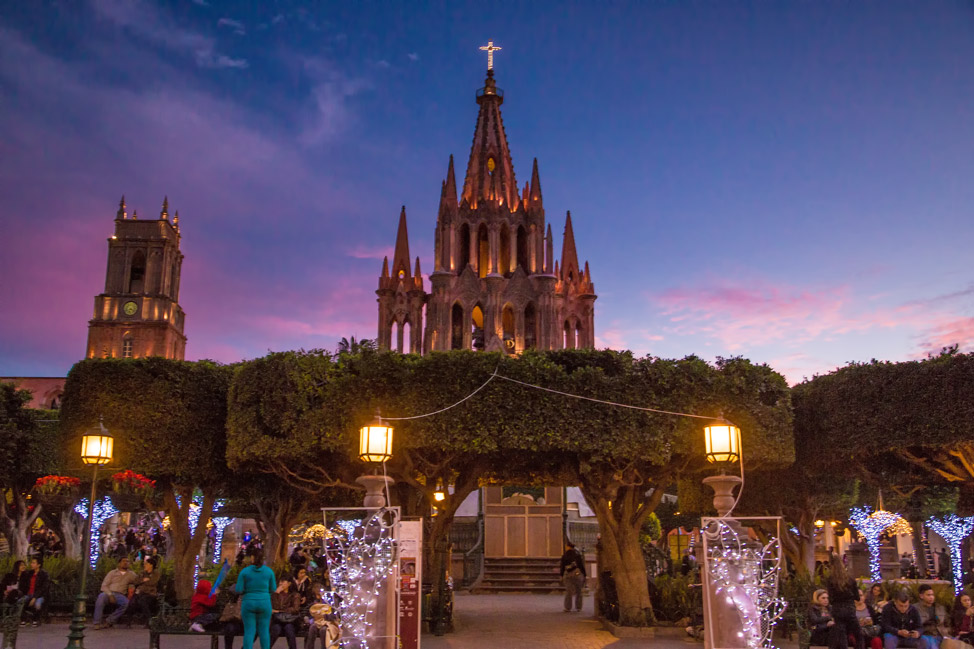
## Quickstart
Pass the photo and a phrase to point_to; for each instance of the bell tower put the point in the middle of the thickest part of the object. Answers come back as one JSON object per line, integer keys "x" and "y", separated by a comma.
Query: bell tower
{"x": 138, "y": 314}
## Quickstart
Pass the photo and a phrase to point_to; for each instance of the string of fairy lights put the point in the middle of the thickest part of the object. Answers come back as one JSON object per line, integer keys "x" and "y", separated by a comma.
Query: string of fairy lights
{"x": 103, "y": 510}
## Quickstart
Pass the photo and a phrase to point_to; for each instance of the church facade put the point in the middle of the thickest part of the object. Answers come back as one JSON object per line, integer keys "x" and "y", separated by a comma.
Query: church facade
{"x": 496, "y": 284}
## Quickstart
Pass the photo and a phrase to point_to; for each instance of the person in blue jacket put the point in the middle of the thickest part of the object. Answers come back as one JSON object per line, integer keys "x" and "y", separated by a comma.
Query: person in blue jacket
{"x": 255, "y": 584}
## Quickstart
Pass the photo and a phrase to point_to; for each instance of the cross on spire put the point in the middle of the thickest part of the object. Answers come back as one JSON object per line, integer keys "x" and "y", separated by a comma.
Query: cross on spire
{"x": 490, "y": 48}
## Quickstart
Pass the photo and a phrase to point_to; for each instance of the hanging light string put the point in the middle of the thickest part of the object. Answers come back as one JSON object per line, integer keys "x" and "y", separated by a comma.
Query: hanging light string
{"x": 495, "y": 375}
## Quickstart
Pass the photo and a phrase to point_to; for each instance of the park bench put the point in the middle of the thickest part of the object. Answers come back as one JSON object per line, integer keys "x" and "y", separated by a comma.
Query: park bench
{"x": 174, "y": 620}
{"x": 10, "y": 622}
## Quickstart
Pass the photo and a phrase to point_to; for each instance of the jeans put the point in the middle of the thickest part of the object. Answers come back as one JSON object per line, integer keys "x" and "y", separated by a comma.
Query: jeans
{"x": 573, "y": 589}
{"x": 929, "y": 642}
{"x": 33, "y": 611}
{"x": 287, "y": 630}
{"x": 121, "y": 602}
{"x": 891, "y": 641}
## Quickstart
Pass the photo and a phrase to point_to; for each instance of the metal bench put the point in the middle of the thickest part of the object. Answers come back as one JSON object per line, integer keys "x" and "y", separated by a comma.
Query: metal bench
{"x": 174, "y": 620}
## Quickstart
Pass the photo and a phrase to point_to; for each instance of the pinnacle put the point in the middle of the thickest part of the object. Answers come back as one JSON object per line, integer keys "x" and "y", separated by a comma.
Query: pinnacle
{"x": 121, "y": 209}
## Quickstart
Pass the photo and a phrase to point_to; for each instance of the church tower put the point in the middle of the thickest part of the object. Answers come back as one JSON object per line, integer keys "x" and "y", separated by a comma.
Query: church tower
{"x": 495, "y": 283}
{"x": 139, "y": 315}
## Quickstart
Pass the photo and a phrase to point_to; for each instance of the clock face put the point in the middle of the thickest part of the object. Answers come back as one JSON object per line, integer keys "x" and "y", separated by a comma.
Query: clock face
{"x": 130, "y": 308}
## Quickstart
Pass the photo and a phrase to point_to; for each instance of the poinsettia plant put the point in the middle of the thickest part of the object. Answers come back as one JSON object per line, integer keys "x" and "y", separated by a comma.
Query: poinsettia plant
{"x": 130, "y": 482}
{"x": 51, "y": 485}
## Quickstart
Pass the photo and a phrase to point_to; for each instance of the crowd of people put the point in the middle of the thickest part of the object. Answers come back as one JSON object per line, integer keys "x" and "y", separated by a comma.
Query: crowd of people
{"x": 841, "y": 616}
{"x": 266, "y": 608}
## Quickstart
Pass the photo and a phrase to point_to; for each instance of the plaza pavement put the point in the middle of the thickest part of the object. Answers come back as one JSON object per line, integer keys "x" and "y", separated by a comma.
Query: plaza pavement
{"x": 482, "y": 622}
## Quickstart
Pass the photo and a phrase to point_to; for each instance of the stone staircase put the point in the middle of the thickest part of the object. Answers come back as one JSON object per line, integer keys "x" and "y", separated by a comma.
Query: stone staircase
{"x": 522, "y": 575}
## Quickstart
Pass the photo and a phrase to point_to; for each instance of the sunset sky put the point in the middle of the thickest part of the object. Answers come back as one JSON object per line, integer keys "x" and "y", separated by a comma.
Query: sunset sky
{"x": 792, "y": 182}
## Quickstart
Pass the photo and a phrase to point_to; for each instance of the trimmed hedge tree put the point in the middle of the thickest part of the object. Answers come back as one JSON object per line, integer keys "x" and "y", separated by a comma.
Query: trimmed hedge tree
{"x": 169, "y": 422}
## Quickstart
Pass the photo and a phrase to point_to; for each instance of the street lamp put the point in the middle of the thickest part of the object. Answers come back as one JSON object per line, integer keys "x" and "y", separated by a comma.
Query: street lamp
{"x": 375, "y": 447}
{"x": 96, "y": 449}
{"x": 723, "y": 446}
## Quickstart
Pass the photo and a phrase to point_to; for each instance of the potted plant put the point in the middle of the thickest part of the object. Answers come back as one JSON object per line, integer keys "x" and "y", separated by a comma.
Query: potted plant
{"x": 131, "y": 490}
{"x": 57, "y": 492}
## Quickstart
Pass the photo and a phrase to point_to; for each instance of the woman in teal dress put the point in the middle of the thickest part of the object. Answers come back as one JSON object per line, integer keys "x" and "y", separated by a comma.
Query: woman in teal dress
{"x": 255, "y": 585}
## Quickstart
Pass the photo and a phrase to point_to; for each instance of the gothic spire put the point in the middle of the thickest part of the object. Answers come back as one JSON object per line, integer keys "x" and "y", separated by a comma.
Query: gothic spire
{"x": 164, "y": 214}
{"x": 385, "y": 266}
{"x": 535, "y": 185}
{"x": 400, "y": 261}
{"x": 490, "y": 158}
{"x": 121, "y": 214}
{"x": 569, "y": 257}
{"x": 450, "y": 189}
{"x": 417, "y": 272}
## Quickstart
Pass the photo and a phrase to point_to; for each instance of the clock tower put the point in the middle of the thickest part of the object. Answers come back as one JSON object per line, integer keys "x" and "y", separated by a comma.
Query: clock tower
{"x": 138, "y": 314}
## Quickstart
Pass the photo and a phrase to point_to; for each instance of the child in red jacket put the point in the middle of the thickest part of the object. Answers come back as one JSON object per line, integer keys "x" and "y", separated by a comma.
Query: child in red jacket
{"x": 202, "y": 608}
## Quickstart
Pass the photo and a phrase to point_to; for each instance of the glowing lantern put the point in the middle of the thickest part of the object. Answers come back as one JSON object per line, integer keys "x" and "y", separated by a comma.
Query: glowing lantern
{"x": 375, "y": 441}
{"x": 723, "y": 441}
{"x": 97, "y": 445}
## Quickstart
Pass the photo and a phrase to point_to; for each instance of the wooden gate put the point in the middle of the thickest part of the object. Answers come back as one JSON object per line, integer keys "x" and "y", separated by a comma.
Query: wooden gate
{"x": 520, "y": 526}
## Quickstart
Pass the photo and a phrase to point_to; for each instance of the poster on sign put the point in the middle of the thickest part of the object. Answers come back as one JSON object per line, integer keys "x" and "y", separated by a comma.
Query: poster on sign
{"x": 410, "y": 582}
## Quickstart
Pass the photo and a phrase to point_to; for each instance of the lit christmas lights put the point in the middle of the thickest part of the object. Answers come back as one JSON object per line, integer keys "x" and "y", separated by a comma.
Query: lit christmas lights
{"x": 361, "y": 555}
{"x": 872, "y": 525}
{"x": 746, "y": 574}
{"x": 103, "y": 510}
{"x": 220, "y": 523}
{"x": 954, "y": 530}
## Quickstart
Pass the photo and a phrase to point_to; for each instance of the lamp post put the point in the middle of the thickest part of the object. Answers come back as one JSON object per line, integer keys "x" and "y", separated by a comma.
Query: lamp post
{"x": 723, "y": 443}
{"x": 96, "y": 449}
{"x": 375, "y": 447}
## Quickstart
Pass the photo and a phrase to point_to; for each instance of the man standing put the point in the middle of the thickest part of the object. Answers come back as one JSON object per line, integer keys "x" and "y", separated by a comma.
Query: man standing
{"x": 933, "y": 617}
{"x": 116, "y": 588}
{"x": 572, "y": 576}
{"x": 900, "y": 622}
{"x": 34, "y": 583}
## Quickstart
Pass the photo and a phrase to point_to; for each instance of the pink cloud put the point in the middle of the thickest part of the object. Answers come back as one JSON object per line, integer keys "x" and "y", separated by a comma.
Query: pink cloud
{"x": 951, "y": 331}
{"x": 371, "y": 252}
{"x": 742, "y": 317}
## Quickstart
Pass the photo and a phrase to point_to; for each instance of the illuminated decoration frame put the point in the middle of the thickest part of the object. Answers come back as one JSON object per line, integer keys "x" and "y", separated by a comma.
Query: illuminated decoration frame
{"x": 954, "y": 529}
{"x": 871, "y": 525}
{"x": 361, "y": 555}
{"x": 220, "y": 523}
{"x": 103, "y": 510}
{"x": 745, "y": 575}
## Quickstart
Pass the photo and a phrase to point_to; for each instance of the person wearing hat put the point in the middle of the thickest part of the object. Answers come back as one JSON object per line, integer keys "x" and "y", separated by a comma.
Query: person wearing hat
{"x": 324, "y": 626}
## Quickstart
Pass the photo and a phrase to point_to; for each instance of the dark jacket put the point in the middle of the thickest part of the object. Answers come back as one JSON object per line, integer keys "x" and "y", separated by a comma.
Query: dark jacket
{"x": 818, "y": 620}
{"x": 844, "y": 597}
{"x": 892, "y": 620}
{"x": 41, "y": 586}
{"x": 571, "y": 557}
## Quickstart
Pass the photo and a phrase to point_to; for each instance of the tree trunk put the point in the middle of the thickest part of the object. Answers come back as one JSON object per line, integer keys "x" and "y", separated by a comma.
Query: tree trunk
{"x": 16, "y": 521}
{"x": 918, "y": 550}
{"x": 620, "y": 524}
{"x": 186, "y": 542}
{"x": 71, "y": 528}
{"x": 277, "y": 517}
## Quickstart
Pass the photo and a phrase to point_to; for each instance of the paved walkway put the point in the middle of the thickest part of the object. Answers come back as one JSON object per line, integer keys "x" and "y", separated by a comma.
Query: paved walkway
{"x": 482, "y": 621}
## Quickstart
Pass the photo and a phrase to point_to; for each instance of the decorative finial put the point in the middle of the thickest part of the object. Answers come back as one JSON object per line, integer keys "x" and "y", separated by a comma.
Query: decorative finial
{"x": 175, "y": 219}
{"x": 121, "y": 209}
{"x": 490, "y": 48}
{"x": 164, "y": 214}
{"x": 135, "y": 215}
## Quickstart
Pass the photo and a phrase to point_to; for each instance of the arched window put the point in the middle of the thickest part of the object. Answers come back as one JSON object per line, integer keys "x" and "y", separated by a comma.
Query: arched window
{"x": 522, "y": 249}
{"x": 569, "y": 339}
{"x": 127, "y": 344}
{"x": 530, "y": 327}
{"x": 464, "y": 257}
{"x": 477, "y": 341}
{"x": 137, "y": 273}
{"x": 483, "y": 251}
{"x": 445, "y": 247}
{"x": 505, "y": 251}
{"x": 395, "y": 342}
{"x": 507, "y": 324}
{"x": 456, "y": 326}
{"x": 578, "y": 334}
{"x": 406, "y": 332}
